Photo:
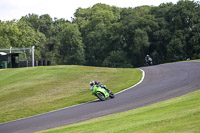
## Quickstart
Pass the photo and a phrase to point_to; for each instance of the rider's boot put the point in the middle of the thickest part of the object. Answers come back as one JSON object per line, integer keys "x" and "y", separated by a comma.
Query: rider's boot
{"x": 107, "y": 90}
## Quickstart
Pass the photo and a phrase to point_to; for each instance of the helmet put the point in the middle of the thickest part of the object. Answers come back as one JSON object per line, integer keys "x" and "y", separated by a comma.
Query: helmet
{"x": 92, "y": 83}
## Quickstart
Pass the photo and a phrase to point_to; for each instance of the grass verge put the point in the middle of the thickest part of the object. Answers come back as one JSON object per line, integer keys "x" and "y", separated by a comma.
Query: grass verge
{"x": 196, "y": 60}
{"x": 177, "y": 115}
{"x": 30, "y": 91}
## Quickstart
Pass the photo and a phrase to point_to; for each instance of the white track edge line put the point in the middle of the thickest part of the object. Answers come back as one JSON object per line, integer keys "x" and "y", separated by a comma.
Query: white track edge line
{"x": 143, "y": 75}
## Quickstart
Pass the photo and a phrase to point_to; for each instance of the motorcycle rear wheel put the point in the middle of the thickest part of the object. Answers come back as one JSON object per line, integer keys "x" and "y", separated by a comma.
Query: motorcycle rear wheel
{"x": 111, "y": 95}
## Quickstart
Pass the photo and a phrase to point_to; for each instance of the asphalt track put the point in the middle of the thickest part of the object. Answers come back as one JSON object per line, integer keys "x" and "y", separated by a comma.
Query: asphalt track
{"x": 161, "y": 82}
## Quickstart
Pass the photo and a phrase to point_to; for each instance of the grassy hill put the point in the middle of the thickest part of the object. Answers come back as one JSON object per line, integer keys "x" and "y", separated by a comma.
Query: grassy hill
{"x": 29, "y": 91}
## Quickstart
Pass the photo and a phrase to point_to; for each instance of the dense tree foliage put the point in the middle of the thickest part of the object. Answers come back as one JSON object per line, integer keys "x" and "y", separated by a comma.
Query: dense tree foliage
{"x": 105, "y": 35}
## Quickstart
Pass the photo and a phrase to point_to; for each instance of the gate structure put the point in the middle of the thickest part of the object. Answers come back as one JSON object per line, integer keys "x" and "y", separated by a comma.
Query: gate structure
{"x": 12, "y": 58}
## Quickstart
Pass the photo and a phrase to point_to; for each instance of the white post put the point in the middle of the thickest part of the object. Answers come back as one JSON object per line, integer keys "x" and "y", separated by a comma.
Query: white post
{"x": 10, "y": 49}
{"x": 33, "y": 56}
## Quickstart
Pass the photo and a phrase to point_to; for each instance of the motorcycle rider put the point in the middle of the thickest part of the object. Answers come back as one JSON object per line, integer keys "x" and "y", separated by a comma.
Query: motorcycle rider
{"x": 148, "y": 60}
{"x": 98, "y": 84}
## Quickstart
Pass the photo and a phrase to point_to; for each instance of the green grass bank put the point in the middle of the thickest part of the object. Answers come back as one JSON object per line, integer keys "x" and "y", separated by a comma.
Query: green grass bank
{"x": 177, "y": 115}
{"x": 30, "y": 91}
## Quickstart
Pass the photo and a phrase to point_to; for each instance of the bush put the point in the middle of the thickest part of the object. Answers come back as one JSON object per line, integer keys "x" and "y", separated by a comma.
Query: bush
{"x": 117, "y": 59}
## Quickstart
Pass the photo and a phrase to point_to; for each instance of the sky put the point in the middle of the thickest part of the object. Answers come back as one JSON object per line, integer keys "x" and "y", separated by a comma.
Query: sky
{"x": 15, "y": 9}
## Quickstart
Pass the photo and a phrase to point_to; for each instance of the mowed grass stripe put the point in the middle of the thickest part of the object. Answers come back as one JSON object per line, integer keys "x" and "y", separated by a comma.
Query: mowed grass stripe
{"x": 30, "y": 91}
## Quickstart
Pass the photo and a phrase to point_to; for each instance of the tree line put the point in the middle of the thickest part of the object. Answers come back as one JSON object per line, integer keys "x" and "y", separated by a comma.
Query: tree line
{"x": 104, "y": 35}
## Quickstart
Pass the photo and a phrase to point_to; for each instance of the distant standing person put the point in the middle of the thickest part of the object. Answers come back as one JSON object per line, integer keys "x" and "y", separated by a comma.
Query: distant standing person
{"x": 148, "y": 60}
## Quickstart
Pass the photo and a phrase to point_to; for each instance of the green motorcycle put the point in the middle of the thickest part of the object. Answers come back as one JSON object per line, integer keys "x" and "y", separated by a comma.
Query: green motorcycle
{"x": 101, "y": 93}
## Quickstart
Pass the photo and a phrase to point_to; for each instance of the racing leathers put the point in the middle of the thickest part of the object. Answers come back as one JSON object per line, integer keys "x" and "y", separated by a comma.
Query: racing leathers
{"x": 99, "y": 84}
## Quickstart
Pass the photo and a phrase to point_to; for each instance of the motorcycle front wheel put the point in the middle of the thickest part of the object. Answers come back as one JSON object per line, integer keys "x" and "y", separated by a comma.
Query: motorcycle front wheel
{"x": 101, "y": 96}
